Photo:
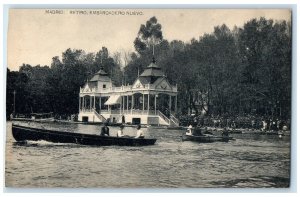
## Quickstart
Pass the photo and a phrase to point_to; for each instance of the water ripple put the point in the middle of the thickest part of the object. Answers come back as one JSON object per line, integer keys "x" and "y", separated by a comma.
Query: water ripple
{"x": 247, "y": 162}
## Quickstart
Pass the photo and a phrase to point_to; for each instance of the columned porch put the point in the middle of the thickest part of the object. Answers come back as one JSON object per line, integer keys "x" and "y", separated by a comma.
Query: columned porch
{"x": 131, "y": 105}
{"x": 136, "y": 103}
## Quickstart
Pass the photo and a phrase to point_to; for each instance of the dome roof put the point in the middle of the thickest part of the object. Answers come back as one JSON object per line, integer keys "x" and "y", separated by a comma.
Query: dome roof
{"x": 152, "y": 70}
{"x": 101, "y": 72}
{"x": 151, "y": 74}
{"x": 101, "y": 75}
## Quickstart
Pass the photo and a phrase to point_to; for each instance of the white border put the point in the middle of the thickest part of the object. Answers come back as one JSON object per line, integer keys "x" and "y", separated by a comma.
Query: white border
{"x": 157, "y": 4}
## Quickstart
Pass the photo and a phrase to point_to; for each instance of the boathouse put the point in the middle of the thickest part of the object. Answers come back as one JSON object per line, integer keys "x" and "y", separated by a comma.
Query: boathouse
{"x": 150, "y": 100}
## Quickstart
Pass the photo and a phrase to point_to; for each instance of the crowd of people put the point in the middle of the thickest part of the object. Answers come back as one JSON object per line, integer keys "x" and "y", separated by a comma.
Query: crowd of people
{"x": 237, "y": 122}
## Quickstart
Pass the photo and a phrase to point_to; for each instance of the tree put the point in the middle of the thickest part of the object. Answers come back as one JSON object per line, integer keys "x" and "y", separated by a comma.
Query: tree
{"x": 246, "y": 70}
{"x": 109, "y": 65}
{"x": 265, "y": 48}
{"x": 16, "y": 81}
{"x": 148, "y": 35}
{"x": 33, "y": 95}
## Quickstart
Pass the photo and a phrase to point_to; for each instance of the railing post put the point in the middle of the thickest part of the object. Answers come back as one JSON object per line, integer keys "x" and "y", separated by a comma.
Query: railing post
{"x": 148, "y": 101}
{"x": 176, "y": 104}
{"x": 155, "y": 104}
{"x": 170, "y": 103}
{"x": 123, "y": 99}
{"x": 94, "y": 102}
{"x": 143, "y": 103}
{"x": 79, "y": 103}
{"x": 127, "y": 103}
{"x": 90, "y": 102}
{"x": 84, "y": 103}
{"x": 132, "y": 102}
{"x": 100, "y": 104}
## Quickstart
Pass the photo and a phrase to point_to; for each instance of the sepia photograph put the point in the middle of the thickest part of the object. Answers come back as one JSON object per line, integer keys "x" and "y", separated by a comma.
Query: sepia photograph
{"x": 148, "y": 98}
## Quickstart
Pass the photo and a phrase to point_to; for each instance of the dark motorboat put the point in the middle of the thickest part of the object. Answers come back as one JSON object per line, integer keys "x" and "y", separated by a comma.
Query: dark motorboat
{"x": 22, "y": 133}
{"x": 206, "y": 138}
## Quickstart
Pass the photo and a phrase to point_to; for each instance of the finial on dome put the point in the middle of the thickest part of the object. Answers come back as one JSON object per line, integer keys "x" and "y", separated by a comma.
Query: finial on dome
{"x": 153, "y": 60}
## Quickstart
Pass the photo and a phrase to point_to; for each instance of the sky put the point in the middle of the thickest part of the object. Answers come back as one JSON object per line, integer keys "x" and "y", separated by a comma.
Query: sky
{"x": 37, "y": 35}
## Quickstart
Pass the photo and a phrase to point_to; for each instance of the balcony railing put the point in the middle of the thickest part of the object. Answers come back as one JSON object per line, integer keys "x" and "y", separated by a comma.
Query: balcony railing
{"x": 106, "y": 90}
{"x": 122, "y": 89}
{"x": 118, "y": 111}
{"x": 134, "y": 111}
{"x": 86, "y": 110}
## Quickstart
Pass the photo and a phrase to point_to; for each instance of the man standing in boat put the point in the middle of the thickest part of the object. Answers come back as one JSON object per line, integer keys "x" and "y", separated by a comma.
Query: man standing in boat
{"x": 104, "y": 130}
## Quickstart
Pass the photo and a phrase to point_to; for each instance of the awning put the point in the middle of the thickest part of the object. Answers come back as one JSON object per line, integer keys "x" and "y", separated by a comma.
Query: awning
{"x": 115, "y": 99}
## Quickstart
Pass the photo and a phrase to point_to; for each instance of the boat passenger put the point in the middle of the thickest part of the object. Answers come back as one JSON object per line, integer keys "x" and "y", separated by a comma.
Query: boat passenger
{"x": 123, "y": 119}
{"x": 225, "y": 132}
{"x": 139, "y": 133}
{"x": 264, "y": 125}
{"x": 189, "y": 130}
{"x": 233, "y": 125}
{"x": 273, "y": 126}
{"x": 104, "y": 130}
{"x": 120, "y": 131}
{"x": 206, "y": 131}
{"x": 284, "y": 128}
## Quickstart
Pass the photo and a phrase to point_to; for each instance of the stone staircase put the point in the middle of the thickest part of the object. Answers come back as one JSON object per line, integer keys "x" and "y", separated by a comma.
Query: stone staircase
{"x": 172, "y": 121}
{"x": 99, "y": 116}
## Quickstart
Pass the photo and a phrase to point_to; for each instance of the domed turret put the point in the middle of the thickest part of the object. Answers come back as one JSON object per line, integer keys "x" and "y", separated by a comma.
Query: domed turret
{"x": 151, "y": 73}
{"x": 101, "y": 75}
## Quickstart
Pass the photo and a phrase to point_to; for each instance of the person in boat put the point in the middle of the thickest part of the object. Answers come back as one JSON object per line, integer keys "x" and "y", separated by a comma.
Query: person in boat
{"x": 225, "y": 132}
{"x": 104, "y": 130}
{"x": 123, "y": 119}
{"x": 273, "y": 126}
{"x": 140, "y": 132}
{"x": 206, "y": 131}
{"x": 264, "y": 125}
{"x": 189, "y": 130}
{"x": 233, "y": 125}
{"x": 120, "y": 132}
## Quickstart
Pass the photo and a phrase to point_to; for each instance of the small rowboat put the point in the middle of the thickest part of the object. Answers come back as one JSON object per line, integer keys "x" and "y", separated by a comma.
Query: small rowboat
{"x": 22, "y": 133}
{"x": 206, "y": 138}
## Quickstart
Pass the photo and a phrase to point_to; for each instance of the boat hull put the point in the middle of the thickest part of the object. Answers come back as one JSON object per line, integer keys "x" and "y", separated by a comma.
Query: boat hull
{"x": 21, "y": 133}
{"x": 206, "y": 138}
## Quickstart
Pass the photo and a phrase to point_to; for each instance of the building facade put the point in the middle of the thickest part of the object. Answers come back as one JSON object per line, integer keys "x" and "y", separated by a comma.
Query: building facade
{"x": 150, "y": 100}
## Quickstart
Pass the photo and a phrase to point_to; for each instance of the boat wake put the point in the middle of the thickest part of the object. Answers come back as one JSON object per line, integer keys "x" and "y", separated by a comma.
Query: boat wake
{"x": 42, "y": 143}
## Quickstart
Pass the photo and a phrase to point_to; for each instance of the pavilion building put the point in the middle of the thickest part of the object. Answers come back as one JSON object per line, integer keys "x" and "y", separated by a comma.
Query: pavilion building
{"x": 150, "y": 100}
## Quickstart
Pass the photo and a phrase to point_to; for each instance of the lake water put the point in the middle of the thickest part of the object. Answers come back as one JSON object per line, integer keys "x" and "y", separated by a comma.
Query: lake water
{"x": 249, "y": 161}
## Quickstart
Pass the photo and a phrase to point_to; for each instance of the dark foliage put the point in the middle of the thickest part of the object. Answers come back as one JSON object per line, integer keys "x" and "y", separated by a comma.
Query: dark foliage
{"x": 246, "y": 70}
